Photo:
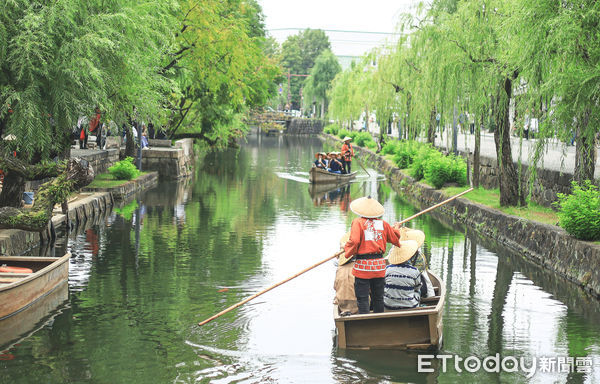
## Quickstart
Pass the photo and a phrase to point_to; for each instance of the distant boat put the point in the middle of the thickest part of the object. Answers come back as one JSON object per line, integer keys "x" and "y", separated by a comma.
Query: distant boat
{"x": 322, "y": 176}
{"x": 20, "y": 290}
{"x": 411, "y": 329}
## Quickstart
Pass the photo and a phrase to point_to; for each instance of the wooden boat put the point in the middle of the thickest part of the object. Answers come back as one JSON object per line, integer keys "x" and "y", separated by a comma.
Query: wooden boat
{"x": 322, "y": 176}
{"x": 28, "y": 321}
{"x": 19, "y": 291}
{"x": 416, "y": 328}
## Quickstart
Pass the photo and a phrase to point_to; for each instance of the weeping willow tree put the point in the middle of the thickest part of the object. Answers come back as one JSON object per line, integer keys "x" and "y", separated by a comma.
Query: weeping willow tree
{"x": 558, "y": 54}
{"x": 60, "y": 59}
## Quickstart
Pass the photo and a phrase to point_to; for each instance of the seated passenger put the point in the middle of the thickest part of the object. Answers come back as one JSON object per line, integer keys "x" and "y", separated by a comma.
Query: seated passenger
{"x": 345, "y": 298}
{"x": 402, "y": 280}
{"x": 335, "y": 165}
{"x": 320, "y": 162}
{"x": 418, "y": 260}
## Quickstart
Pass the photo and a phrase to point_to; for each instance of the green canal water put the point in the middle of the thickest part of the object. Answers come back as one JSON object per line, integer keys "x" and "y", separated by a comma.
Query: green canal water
{"x": 144, "y": 275}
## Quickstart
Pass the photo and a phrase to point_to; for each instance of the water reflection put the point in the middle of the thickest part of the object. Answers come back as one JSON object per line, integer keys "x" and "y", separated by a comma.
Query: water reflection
{"x": 183, "y": 251}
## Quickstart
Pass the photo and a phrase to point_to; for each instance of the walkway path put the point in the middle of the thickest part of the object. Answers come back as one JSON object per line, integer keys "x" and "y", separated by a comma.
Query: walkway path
{"x": 557, "y": 156}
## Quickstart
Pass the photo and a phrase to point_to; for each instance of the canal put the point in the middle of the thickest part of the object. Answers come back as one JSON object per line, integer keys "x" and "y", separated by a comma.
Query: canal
{"x": 144, "y": 276}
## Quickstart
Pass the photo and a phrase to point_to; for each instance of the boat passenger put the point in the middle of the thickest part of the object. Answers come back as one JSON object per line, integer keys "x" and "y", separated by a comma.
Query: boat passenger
{"x": 418, "y": 260}
{"x": 345, "y": 298}
{"x": 335, "y": 165}
{"x": 402, "y": 279}
{"x": 320, "y": 162}
{"x": 369, "y": 235}
{"x": 347, "y": 154}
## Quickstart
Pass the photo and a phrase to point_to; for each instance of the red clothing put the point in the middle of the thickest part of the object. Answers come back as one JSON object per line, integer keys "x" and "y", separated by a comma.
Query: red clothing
{"x": 347, "y": 152}
{"x": 370, "y": 236}
{"x": 94, "y": 122}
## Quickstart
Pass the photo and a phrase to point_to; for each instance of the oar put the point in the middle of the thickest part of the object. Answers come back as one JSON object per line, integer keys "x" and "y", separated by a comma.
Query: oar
{"x": 268, "y": 289}
{"x": 360, "y": 163}
{"x": 320, "y": 262}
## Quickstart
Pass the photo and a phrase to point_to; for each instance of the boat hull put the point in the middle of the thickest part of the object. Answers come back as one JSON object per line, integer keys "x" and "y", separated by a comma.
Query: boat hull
{"x": 321, "y": 176}
{"x": 411, "y": 329}
{"x": 19, "y": 291}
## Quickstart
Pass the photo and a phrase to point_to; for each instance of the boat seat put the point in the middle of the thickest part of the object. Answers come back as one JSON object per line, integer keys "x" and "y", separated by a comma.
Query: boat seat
{"x": 430, "y": 299}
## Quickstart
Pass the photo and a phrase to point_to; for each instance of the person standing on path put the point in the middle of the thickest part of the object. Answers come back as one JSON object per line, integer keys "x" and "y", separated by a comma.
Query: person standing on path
{"x": 347, "y": 154}
{"x": 369, "y": 235}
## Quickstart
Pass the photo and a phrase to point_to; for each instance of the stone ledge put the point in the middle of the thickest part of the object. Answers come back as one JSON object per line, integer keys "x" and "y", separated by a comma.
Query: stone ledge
{"x": 546, "y": 245}
{"x": 85, "y": 207}
{"x": 122, "y": 191}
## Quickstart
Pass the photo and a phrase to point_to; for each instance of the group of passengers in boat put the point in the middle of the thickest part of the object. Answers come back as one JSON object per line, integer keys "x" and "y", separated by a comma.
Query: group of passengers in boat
{"x": 336, "y": 162}
{"x": 395, "y": 283}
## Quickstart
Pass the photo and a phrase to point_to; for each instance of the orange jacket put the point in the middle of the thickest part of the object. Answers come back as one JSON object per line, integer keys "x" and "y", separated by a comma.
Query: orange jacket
{"x": 370, "y": 236}
{"x": 347, "y": 152}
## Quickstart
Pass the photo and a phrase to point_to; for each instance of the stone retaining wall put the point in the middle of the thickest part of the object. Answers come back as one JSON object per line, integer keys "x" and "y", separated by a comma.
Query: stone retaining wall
{"x": 544, "y": 188}
{"x": 122, "y": 191}
{"x": 305, "y": 126}
{"x": 101, "y": 161}
{"x": 85, "y": 207}
{"x": 170, "y": 162}
{"x": 546, "y": 245}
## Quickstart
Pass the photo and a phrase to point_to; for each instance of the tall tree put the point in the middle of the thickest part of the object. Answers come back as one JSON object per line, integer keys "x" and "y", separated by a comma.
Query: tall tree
{"x": 321, "y": 75}
{"x": 298, "y": 55}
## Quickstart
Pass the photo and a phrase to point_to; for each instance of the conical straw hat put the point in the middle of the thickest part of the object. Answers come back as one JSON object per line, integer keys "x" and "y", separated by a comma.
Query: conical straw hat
{"x": 412, "y": 234}
{"x": 367, "y": 207}
{"x": 347, "y": 138}
{"x": 406, "y": 250}
{"x": 342, "y": 259}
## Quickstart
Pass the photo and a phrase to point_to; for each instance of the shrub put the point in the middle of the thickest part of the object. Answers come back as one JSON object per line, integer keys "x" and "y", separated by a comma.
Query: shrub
{"x": 405, "y": 153}
{"x": 438, "y": 171}
{"x": 124, "y": 169}
{"x": 364, "y": 139}
{"x": 344, "y": 132}
{"x": 390, "y": 147}
{"x": 579, "y": 212}
{"x": 332, "y": 129}
{"x": 420, "y": 160}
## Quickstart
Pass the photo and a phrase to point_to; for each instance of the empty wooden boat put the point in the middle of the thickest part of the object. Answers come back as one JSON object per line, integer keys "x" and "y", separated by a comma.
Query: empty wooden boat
{"x": 322, "y": 176}
{"x": 19, "y": 290}
{"x": 416, "y": 328}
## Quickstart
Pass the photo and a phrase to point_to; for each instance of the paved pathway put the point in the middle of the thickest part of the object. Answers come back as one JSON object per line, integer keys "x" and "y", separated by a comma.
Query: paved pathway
{"x": 557, "y": 156}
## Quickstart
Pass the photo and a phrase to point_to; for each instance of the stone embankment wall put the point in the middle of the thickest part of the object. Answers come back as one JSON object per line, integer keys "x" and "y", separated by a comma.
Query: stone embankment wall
{"x": 123, "y": 191}
{"x": 85, "y": 207}
{"x": 546, "y": 245}
{"x": 305, "y": 126}
{"x": 170, "y": 162}
{"x": 544, "y": 188}
{"x": 102, "y": 160}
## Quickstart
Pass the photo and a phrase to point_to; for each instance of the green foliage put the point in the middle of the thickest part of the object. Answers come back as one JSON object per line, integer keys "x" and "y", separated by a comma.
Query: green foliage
{"x": 124, "y": 169}
{"x": 579, "y": 212}
{"x": 331, "y": 129}
{"x": 127, "y": 210}
{"x": 364, "y": 139}
{"x": 390, "y": 147}
{"x": 298, "y": 55}
{"x": 321, "y": 75}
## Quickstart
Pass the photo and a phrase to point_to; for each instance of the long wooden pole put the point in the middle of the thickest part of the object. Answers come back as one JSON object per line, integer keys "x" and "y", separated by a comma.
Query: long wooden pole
{"x": 268, "y": 289}
{"x": 320, "y": 262}
{"x": 361, "y": 165}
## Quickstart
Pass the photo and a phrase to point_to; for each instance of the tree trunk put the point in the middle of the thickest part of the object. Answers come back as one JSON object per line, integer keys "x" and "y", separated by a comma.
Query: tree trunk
{"x": 476, "y": 154}
{"x": 130, "y": 143}
{"x": 323, "y": 109}
{"x": 12, "y": 190}
{"x": 76, "y": 175}
{"x": 431, "y": 127}
{"x": 585, "y": 150}
{"x": 507, "y": 178}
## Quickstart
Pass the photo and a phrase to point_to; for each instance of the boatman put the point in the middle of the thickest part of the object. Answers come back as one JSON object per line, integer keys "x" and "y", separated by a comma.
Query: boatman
{"x": 347, "y": 154}
{"x": 369, "y": 236}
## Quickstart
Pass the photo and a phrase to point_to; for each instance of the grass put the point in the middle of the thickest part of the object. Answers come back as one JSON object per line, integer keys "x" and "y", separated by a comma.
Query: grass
{"x": 106, "y": 180}
{"x": 491, "y": 198}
